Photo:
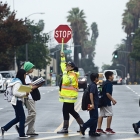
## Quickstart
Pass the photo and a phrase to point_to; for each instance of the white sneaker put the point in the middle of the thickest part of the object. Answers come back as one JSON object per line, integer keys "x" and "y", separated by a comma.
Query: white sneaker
{"x": 25, "y": 137}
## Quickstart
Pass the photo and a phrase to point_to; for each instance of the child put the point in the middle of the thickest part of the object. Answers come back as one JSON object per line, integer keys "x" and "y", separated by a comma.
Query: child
{"x": 106, "y": 110}
{"x": 93, "y": 110}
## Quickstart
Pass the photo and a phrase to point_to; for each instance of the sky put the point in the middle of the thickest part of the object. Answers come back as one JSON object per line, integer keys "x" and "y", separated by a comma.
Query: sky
{"x": 106, "y": 13}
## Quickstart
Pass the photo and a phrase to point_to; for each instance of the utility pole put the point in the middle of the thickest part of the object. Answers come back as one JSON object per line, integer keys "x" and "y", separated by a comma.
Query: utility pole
{"x": 26, "y": 52}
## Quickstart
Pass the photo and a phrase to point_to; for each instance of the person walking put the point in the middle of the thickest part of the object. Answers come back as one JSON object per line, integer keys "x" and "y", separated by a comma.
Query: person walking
{"x": 17, "y": 103}
{"x": 69, "y": 93}
{"x": 29, "y": 102}
{"x": 93, "y": 110}
{"x": 106, "y": 110}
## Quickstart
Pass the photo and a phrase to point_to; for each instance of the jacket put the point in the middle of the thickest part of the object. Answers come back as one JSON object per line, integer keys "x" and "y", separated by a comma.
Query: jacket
{"x": 16, "y": 83}
{"x": 69, "y": 87}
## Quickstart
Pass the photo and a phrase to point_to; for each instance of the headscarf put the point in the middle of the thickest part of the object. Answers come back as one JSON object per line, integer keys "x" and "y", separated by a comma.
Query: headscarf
{"x": 20, "y": 75}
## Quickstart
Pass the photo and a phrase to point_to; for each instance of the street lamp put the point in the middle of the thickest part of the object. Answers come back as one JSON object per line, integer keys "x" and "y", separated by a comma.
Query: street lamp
{"x": 25, "y": 23}
{"x": 122, "y": 66}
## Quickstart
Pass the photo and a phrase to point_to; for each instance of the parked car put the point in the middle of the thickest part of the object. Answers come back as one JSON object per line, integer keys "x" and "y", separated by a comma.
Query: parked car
{"x": 115, "y": 76}
{"x": 82, "y": 80}
{"x": 6, "y": 77}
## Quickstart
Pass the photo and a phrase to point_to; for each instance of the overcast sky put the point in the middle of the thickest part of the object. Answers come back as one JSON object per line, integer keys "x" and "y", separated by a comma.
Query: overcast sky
{"x": 106, "y": 13}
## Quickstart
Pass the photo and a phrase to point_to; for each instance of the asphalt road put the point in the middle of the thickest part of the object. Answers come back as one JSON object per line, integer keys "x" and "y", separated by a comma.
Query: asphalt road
{"x": 49, "y": 117}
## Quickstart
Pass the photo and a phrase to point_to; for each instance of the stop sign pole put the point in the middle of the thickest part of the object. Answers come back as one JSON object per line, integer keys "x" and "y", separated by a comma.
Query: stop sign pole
{"x": 63, "y": 34}
{"x": 62, "y": 48}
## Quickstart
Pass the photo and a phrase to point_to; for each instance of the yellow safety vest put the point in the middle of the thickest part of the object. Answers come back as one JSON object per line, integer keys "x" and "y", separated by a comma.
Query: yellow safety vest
{"x": 69, "y": 89}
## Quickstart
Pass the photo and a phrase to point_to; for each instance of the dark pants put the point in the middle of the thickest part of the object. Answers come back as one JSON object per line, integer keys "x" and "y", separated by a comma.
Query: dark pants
{"x": 92, "y": 122}
{"x": 138, "y": 124}
{"x": 69, "y": 108}
{"x": 20, "y": 117}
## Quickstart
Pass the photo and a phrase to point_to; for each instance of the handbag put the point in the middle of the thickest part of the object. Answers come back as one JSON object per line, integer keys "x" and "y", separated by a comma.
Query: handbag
{"x": 36, "y": 94}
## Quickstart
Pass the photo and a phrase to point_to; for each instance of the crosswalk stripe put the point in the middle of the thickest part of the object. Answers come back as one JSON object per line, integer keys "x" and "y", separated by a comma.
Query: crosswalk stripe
{"x": 56, "y": 137}
{"x": 129, "y": 139}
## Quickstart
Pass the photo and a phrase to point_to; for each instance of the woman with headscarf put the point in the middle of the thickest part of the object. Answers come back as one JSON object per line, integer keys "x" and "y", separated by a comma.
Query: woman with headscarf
{"x": 17, "y": 103}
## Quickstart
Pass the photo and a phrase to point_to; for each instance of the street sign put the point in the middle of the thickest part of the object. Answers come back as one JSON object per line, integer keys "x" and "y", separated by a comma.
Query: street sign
{"x": 67, "y": 51}
{"x": 63, "y": 34}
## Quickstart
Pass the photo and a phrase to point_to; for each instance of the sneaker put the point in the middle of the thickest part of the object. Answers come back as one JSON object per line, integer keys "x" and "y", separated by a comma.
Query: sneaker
{"x": 32, "y": 134}
{"x": 63, "y": 131}
{"x": 24, "y": 137}
{"x": 100, "y": 131}
{"x": 136, "y": 129}
{"x": 94, "y": 134}
{"x": 2, "y": 131}
{"x": 109, "y": 131}
{"x": 78, "y": 131}
{"x": 17, "y": 128}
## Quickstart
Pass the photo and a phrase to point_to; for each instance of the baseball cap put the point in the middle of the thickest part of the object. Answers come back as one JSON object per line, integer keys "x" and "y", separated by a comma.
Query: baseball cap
{"x": 71, "y": 64}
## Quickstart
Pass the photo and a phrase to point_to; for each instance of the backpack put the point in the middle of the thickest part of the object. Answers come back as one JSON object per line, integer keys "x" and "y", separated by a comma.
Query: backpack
{"x": 86, "y": 99}
{"x": 8, "y": 94}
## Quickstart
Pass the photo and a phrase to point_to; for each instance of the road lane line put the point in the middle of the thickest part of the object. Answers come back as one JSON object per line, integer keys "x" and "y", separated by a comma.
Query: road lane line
{"x": 78, "y": 134}
{"x": 70, "y": 133}
{"x": 56, "y": 137}
{"x": 129, "y": 139}
{"x": 132, "y": 90}
{"x": 71, "y": 118}
{"x": 1, "y": 108}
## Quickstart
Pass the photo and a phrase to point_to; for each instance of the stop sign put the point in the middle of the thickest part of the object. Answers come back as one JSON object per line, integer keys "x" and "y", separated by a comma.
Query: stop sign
{"x": 63, "y": 31}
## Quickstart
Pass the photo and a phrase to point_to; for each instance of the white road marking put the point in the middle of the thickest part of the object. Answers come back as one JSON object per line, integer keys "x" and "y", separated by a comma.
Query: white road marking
{"x": 43, "y": 93}
{"x": 71, "y": 134}
{"x": 56, "y": 137}
{"x": 1, "y": 108}
{"x": 132, "y": 90}
{"x": 129, "y": 139}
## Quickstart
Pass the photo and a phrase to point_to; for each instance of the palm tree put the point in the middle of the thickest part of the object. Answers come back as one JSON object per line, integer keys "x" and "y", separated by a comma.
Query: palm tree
{"x": 127, "y": 22}
{"x": 76, "y": 18}
{"x": 94, "y": 29}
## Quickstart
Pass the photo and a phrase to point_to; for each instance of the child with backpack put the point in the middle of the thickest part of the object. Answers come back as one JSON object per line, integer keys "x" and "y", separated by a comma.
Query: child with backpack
{"x": 93, "y": 107}
{"x": 17, "y": 100}
{"x": 106, "y": 109}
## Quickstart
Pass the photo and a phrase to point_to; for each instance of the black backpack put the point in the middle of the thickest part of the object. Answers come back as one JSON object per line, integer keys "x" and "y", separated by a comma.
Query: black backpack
{"x": 36, "y": 94}
{"x": 86, "y": 99}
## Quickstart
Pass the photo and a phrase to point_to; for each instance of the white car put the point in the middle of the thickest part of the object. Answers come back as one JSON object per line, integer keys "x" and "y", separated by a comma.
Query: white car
{"x": 5, "y": 78}
{"x": 116, "y": 78}
{"x": 2, "y": 84}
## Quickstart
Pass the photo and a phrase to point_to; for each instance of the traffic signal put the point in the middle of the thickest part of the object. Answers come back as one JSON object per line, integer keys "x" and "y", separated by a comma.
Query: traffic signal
{"x": 116, "y": 54}
{"x": 51, "y": 69}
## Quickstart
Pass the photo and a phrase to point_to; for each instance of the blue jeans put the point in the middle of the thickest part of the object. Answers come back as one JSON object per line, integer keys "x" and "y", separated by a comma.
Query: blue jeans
{"x": 20, "y": 117}
{"x": 92, "y": 122}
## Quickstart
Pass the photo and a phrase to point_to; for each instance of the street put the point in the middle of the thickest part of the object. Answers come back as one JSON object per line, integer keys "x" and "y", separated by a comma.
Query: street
{"x": 49, "y": 115}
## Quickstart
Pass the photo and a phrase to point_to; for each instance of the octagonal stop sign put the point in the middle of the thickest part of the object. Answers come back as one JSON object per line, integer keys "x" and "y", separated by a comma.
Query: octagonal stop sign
{"x": 63, "y": 32}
